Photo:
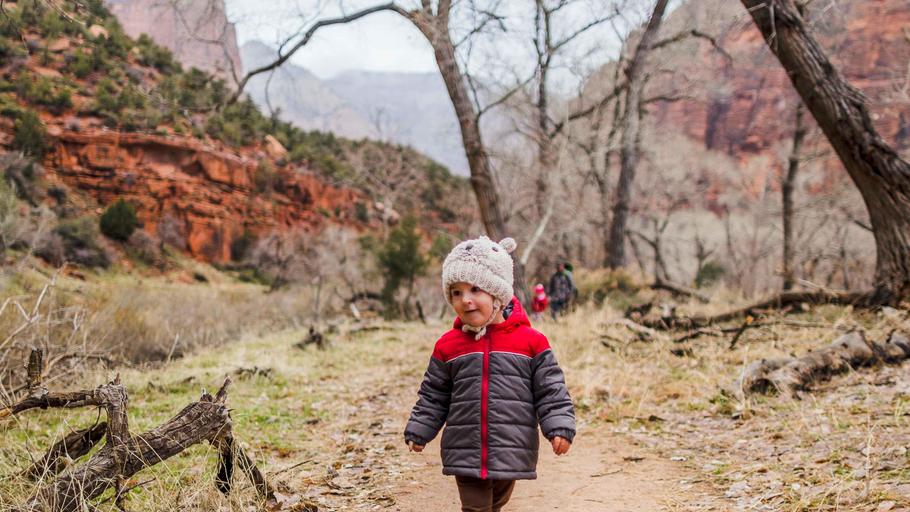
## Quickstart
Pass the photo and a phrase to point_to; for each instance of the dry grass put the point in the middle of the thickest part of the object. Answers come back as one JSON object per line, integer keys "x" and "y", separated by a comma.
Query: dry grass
{"x": 843, "y": 446}
{"x": 127, "y": 319}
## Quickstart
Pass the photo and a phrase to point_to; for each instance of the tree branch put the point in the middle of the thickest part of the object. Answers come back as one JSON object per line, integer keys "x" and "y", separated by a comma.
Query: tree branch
{"x": 282, "y": 58}
{"x": 693, "y": 33}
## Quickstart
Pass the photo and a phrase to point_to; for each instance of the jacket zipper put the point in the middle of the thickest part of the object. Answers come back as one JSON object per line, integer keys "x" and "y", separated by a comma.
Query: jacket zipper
{"x": 484, "y": 404}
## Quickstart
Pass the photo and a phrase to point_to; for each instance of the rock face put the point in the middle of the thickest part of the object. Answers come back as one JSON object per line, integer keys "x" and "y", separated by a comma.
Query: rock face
{"x": 745, "y": 106}
{"x": 211, "y": 195}
{"x": 197, "y": 31}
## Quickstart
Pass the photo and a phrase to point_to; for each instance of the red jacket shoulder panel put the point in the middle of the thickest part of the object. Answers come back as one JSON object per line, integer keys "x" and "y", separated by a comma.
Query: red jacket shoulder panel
{"x": 454, "y": 343}
{"x": 537, "y": 339}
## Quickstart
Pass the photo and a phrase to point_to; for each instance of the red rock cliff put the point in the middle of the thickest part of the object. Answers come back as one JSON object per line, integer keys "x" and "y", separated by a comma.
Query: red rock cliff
{"x": 210, "y": 193}
{"x": 746, "y": 107}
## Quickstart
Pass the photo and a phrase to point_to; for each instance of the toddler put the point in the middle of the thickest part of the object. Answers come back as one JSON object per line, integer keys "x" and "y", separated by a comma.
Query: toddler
{"x": 492, "y": 380}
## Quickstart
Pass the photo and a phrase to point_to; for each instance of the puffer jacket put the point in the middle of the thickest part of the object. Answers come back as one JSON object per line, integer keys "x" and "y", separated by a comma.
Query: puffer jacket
{"x": 492, "y": 394}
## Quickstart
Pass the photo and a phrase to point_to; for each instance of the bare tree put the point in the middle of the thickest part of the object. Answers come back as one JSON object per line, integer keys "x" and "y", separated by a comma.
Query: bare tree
{"x": 880, "y": 174}
{"x": 629, "y": 139}
{"x": 787, "y": 188}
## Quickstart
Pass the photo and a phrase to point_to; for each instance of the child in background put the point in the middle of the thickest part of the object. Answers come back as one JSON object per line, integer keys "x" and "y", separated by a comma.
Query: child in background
{"x": 540, "y": 302}
{"x": 492, "y": 380}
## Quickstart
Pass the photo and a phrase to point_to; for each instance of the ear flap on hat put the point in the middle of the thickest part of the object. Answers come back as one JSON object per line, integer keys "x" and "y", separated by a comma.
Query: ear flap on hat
{"x": 508, "y": 244}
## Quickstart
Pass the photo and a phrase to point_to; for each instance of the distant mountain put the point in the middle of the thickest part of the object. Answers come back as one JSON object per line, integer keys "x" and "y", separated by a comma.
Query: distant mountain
{"x": 409, "y": 108}
{"x": 197, "y": 32}
{"x": 406, "y": 108}
{"x": 301, "y": 96}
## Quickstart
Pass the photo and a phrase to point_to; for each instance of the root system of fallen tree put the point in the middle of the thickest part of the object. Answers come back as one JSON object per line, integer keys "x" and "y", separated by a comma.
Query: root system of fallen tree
{"x": 123, "y": 453}
{"x": 789, "y": 375}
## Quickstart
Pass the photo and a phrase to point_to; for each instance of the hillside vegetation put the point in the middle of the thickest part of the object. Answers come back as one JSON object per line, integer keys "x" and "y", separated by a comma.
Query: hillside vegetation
{"x": 72, "y": 70}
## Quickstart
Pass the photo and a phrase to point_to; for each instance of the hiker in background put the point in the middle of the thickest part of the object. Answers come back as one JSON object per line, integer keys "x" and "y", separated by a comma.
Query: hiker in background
{"x": 540, "y": 302}
{"x": 560, "y": 290}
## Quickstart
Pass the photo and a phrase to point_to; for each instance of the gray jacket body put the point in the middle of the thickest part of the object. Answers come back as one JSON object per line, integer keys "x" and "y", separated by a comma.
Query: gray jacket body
{"x": 492, "y": 395}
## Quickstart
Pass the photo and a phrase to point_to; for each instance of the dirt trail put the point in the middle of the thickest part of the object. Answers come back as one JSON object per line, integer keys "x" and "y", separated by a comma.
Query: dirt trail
{"x": 350, "y": 454}
{"x": 604, "y": 471}
{"x": 596, "y": 475}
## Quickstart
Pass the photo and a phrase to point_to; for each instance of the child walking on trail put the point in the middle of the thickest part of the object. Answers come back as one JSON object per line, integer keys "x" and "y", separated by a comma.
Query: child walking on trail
{"x": 539, "y": 303}
{"x": 492, "y": 380}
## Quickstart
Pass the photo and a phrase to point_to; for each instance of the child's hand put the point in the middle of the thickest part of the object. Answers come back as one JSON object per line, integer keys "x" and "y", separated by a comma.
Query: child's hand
{"x": 414, "y": 447}
{"x": 561, "y": 445}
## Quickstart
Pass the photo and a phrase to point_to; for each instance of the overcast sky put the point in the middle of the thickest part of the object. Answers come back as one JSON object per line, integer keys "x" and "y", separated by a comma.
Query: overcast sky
{"x": 386, "y": 42}
{"x": 379, "y": 42}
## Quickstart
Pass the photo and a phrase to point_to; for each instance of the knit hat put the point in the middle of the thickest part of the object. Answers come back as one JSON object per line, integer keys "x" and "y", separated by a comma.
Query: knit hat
{"x": 483, "y": 263}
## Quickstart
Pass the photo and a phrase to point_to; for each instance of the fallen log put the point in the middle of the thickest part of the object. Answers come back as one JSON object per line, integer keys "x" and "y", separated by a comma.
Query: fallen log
{"x": 679, "y": 290}
{"x": 70, "y": 448}
{"x": 788, "y": 375}
{"x": 784, "y": 301}
{"x": 123, "y": 454}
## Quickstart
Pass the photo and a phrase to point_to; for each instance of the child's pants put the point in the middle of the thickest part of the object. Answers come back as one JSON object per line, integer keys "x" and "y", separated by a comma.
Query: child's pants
{"x": 483, "y": 495}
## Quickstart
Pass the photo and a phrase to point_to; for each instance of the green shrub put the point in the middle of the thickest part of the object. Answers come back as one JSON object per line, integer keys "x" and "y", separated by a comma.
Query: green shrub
{"x": 709, "y": 273}
{"x": 265, "y": 178}
{"x": 441, "y": 246}
{"x": 30, "y": 135}
{"x": 24, "y": 175}
{"x": 119, "y": 221}
{"x": 116, "y": 44}
{"x": 106, "y": 95}
{"x": 81, "y": 64}
{"x": 10, "y": 49}
{"x": 97, "y": 9}
{"x": 240, "y": 246}
{"x": 41, "y": 90}
{"x": 80, "y": 242}
{"x": 31, "y": 12}
{"x": 158, "y": 57}
{"x": 52, "y": 25}
{"x": 361, "y": 213}
{"x": 400, "y": 258}
{"x": 9, "y": 107}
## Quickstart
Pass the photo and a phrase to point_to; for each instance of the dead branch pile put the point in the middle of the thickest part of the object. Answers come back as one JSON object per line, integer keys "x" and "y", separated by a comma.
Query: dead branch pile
{"x": 123, "y": 453}
{"x": 789, "y": 375}
{"x": 783, "y": 303}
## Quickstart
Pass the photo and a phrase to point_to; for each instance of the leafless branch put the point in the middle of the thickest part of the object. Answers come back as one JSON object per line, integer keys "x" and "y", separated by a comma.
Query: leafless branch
{"x": 307, "y": 36}
{"x": 696, "y": 34}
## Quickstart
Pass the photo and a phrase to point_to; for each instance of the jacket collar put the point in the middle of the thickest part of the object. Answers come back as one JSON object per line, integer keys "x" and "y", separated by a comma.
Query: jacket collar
{"x": 515, "y": 320}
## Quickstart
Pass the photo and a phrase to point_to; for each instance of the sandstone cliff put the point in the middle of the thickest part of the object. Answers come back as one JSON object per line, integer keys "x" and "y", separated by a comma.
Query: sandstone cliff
{"x": 209, "y": 195}
{"x": 745, "y": 106}
{"x": 197, "y": 31}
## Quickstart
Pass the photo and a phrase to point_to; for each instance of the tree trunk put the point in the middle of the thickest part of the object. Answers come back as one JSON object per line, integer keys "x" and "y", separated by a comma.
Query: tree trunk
{"x": 436, "y": 29}
{"x": 787, "y": 187}
{"x": 883, "y": 178}
{"x": 628, "y": 152}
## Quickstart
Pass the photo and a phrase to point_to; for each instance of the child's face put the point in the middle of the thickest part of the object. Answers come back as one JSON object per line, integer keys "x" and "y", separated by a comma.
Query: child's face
{"x": 472, "y": 305}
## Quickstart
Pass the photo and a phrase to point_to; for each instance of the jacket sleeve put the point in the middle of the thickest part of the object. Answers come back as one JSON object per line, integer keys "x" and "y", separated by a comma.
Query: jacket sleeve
{"x": 432, "y": 407}
{"x": 551, "y": 397}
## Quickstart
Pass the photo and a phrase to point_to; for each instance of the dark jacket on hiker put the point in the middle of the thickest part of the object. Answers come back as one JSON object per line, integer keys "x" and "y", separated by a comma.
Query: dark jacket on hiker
{"x": 561, "y": 287}
{"x": 492, "y": 394}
